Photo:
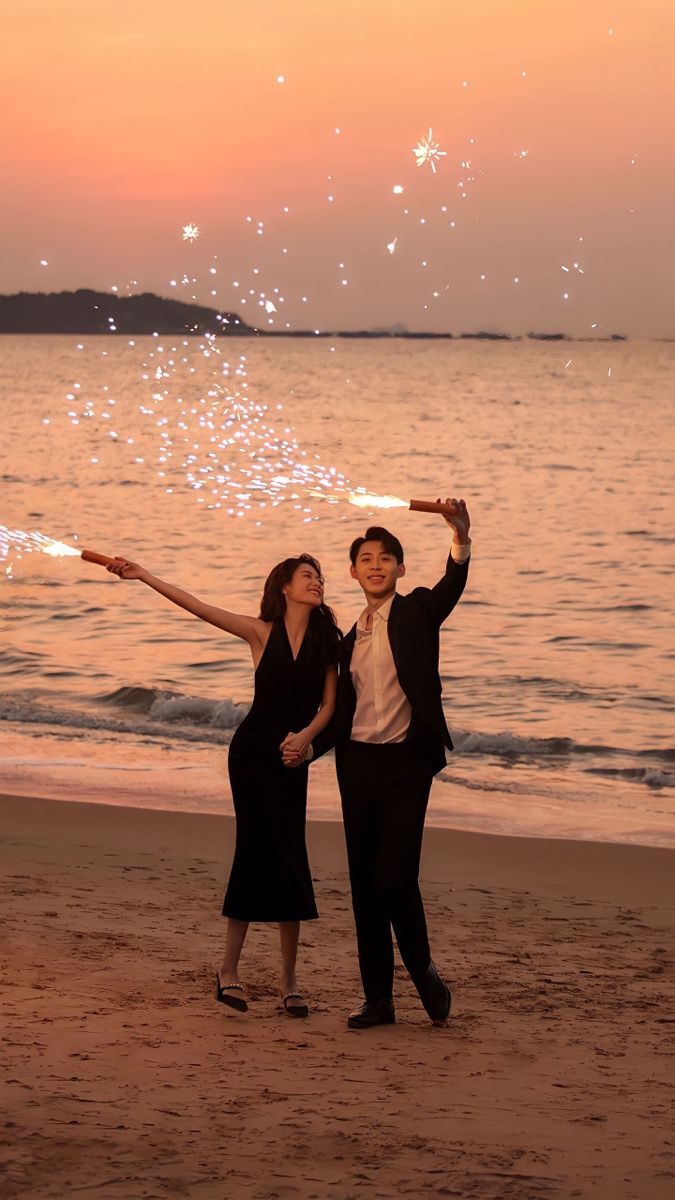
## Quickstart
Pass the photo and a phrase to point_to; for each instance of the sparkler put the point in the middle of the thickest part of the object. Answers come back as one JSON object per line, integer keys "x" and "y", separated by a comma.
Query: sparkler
{"x": 17, "y": 542}
{"x": 427, "y": 150}
{"x": 363, "y": 499}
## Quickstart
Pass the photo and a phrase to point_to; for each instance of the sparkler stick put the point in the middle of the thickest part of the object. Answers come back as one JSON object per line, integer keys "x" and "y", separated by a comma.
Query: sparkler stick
{"x": 103, "y": 560}
{"x": 432, "y": 506}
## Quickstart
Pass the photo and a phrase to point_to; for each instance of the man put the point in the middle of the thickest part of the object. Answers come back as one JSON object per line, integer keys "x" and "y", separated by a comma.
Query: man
{"x": 390, "y": 737}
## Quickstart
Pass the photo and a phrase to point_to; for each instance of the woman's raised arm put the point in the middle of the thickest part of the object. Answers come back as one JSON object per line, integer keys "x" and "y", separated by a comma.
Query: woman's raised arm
{"x": 249, "y": 628}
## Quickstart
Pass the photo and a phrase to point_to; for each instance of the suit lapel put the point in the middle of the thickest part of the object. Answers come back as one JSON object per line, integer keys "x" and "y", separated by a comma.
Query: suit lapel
{"x": 348, "y": 646}
{"x": 393, "y": 627}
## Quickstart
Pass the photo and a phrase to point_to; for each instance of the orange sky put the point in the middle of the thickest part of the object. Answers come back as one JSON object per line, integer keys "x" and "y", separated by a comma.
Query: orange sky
{"x": 123, "y": 122}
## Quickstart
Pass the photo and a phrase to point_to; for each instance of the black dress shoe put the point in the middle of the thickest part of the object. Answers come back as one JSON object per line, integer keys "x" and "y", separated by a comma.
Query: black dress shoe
{"x": 373, "y": 1012}
{"x": 434, "y": 994}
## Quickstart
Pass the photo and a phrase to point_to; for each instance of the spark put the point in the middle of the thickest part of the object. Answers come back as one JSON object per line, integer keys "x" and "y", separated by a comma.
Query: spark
{"x": 281, "y": 78}
{"x": 391, "y": 246}
{"x": 17, "y": 542}
{"x": 427, "y": 150}
{"x": 190, "y": 232}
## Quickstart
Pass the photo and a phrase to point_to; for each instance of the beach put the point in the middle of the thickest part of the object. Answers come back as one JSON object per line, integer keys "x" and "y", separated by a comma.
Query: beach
{"x": 123, "y": 1078}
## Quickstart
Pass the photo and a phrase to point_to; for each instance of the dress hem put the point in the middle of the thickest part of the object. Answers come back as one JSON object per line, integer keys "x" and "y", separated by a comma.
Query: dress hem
{"x": 267, "y": 920}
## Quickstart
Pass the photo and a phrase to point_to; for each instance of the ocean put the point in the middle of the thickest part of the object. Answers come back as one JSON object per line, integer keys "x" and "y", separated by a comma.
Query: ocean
{"x": 557, "y": 665}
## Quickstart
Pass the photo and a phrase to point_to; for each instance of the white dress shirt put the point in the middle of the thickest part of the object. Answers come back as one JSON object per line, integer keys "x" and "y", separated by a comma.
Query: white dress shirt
{"x": 383, "y": 711}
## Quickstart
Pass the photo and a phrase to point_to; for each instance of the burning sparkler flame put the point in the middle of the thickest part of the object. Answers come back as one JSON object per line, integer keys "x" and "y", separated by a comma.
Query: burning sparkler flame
{"x": 371, "y": 500}
{"x": 59, "y": 549}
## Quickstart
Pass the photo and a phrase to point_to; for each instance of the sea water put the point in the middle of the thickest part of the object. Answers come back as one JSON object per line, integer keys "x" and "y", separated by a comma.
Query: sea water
{"x": 557, "y": 664}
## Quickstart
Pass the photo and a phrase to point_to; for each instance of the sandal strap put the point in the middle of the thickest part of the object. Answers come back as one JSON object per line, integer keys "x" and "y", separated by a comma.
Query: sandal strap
{"x": 292, "y": 995}
{"x": 224, "y": 986}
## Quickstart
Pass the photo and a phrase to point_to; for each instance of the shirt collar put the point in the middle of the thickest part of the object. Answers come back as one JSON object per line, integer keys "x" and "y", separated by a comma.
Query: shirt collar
{"x": 382, "y": 612}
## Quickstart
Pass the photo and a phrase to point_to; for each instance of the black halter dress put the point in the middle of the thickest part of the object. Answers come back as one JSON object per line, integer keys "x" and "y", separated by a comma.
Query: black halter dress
{"x": 270, "y": 878}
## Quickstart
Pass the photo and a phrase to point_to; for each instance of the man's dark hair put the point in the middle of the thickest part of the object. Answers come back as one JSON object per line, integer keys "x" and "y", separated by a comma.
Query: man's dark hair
{"x": 375, "y": 533}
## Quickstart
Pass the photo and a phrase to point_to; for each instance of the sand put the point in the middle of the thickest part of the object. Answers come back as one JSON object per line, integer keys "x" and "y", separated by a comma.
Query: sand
{"x": 123, "y": 1078}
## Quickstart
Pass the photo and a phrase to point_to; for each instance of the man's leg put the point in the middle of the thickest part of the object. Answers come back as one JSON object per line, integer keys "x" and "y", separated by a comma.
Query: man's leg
{"x": 358, "y": 785}
{"x": 402, "y": 805}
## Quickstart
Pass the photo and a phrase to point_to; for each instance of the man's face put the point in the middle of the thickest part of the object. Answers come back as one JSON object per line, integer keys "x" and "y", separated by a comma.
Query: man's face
{"x": 376, "y": 570}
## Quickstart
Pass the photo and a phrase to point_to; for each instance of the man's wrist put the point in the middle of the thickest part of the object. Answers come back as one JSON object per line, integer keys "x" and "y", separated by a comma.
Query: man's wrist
{"x": 460, "y": 552}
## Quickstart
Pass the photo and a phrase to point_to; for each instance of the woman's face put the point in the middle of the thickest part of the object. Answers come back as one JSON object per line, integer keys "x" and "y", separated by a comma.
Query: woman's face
{"x": 305, "y": 586}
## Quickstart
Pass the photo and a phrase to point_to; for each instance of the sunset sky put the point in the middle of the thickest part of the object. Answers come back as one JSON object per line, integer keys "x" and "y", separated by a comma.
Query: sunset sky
{"x": 123, "y": 122}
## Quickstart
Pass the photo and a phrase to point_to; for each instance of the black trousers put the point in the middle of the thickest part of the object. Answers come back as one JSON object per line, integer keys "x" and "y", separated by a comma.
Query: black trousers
{"x": 385, "y": 791}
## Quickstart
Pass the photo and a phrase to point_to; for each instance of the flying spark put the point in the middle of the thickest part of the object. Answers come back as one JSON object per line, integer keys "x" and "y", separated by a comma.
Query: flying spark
{"x": 427, "y": 150}
{"x": 190, "y": 233}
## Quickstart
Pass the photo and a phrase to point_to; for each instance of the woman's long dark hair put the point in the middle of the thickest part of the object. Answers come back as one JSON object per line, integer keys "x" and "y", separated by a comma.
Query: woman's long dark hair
{"x": 324, "y": 633}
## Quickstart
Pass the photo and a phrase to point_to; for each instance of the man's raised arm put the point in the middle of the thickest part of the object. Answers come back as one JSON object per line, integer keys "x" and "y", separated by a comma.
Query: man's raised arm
{"x": 445, "y": 594}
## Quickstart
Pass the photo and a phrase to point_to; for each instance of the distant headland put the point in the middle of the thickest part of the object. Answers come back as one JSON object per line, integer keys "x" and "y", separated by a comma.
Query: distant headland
{"x": 87, "y": 312}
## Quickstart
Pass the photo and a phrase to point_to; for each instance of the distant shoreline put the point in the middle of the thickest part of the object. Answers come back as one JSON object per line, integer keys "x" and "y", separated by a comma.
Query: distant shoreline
{"x": 87, "y": 313}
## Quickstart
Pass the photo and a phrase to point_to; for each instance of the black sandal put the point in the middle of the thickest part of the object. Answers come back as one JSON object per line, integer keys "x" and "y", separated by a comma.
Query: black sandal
{"x": 237, "y": 1002}
{"x": 295, "y": 1010}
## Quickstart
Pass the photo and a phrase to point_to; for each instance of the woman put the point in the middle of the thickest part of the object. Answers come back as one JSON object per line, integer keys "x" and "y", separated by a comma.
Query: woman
{"x": 294, "y": 644}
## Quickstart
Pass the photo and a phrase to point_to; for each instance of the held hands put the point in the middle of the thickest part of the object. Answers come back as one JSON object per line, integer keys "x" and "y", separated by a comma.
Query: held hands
{"x": 294, "y": 748}
{"x": 458, "y": 520}
{"x": 125, "y": 569}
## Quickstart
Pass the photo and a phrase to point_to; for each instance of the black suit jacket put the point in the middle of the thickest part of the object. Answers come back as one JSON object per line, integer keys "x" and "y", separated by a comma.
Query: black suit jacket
{"x": 413, "y": 627}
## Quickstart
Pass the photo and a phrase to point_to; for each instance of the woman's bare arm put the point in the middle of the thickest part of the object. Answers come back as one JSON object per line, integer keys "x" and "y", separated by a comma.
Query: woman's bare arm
{"x": 250, "y": 629}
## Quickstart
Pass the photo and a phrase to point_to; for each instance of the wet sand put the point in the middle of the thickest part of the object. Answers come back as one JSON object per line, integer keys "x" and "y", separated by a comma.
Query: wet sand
{"x": 123, "y": 1078}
